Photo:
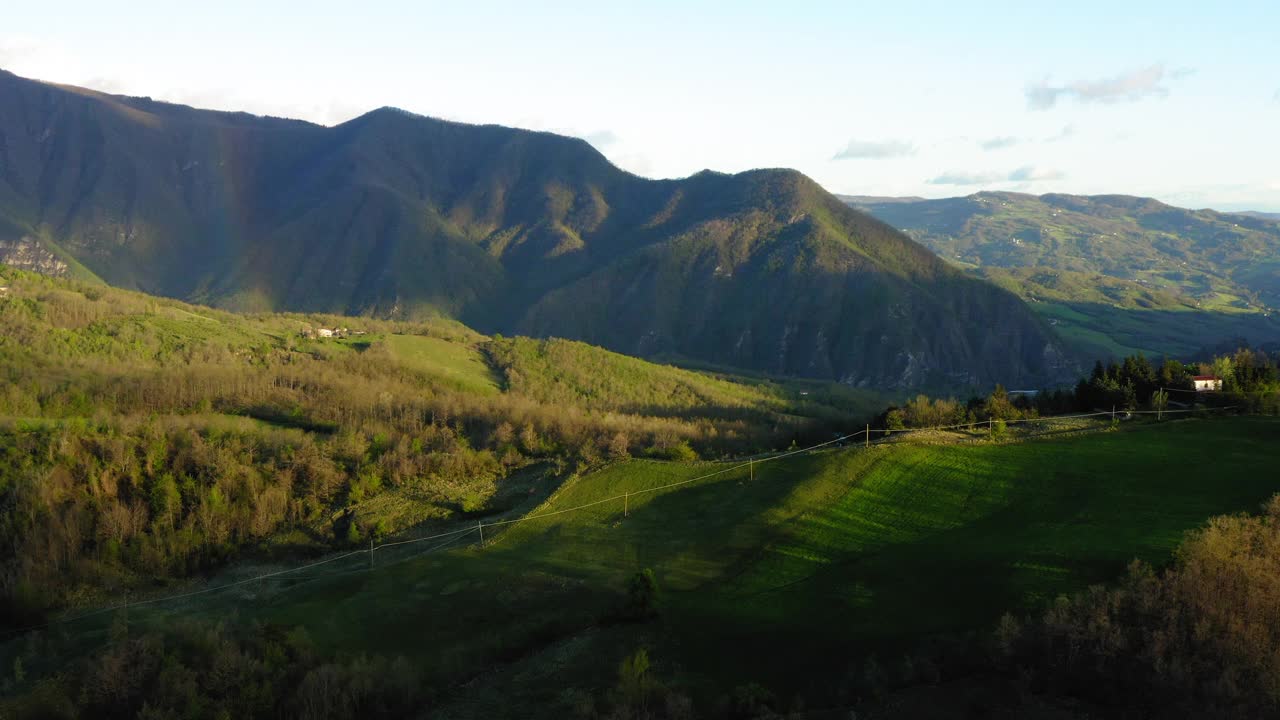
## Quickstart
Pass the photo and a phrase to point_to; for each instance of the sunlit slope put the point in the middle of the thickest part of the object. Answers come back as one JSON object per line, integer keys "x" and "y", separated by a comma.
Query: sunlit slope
{"x": 817, "y": 559}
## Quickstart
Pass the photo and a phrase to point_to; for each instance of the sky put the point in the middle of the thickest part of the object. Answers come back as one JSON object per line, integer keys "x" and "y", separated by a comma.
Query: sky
{"x": 1178, "y": 101}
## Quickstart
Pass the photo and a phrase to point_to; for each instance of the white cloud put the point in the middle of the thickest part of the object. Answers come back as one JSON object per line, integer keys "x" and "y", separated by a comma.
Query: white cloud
{"x": 1131, "y": 86}
{"x": 964, "y": 177}
{"x": 998, "y": 143}
{"x": 1066, "y": 132}
{"x": 1031, "y": 173}
{"x": 1025, "y": 174}
{"x": 875, "y": 150}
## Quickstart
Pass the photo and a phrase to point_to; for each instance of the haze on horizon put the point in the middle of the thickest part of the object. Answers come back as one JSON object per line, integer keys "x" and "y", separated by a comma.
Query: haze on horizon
{"x": 1173, "y": 100}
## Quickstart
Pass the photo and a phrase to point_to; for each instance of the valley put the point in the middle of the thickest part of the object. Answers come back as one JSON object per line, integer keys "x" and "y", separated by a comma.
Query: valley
{"x": 458, "y": 361}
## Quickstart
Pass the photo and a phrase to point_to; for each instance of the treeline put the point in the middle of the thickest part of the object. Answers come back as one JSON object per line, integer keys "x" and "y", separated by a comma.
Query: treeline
{"x": 926, "y": 412}
{"x": 1250, "y": 381}
{"x": 1134, "y": 382}
{"x": 196, "y": 670}
{"x": 113, "y": 504}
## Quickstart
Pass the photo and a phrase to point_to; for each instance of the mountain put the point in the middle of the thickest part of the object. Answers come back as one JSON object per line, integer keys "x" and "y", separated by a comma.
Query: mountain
{"x": 393, "y": 214}
{"x": 1115, "y": 274}
{"x": 1258, "y": 215}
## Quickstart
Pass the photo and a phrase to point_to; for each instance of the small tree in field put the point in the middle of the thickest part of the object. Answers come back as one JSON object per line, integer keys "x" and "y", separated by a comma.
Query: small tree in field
{"x": 634, "y": 680}
{"x": 999, "y": 430}
{"x": 1160, "y": 402}
{"x": 642, "y": 596}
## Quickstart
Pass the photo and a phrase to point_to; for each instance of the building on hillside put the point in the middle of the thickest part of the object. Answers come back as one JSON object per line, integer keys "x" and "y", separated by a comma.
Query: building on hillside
{"x": 1207, "y": 383}
{"x": 314, "y": 333}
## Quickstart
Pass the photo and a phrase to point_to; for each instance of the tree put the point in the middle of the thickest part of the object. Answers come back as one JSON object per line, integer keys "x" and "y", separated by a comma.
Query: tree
{"x": 634, "y": 681}
{"x": 998, "y": 405}
{"x": 642, "y": 596}
{"x": 1224, "y": 367}
{"x": 618, "y": 446}
{"x": 1160, "y": 402}
{"x": 999, "y": 429}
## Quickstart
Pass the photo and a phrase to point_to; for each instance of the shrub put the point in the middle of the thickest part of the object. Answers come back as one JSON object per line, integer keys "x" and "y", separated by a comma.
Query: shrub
{"x": 678, "y": 451}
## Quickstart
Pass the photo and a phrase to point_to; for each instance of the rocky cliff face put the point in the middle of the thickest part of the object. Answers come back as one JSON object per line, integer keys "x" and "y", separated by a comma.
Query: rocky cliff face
{"x": 26, "y": 253}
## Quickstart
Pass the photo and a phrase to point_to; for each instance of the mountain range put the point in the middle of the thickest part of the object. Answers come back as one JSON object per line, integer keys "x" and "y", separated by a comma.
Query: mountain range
{"x": 1115, "y": 274}
{"x": 397, "y": 215}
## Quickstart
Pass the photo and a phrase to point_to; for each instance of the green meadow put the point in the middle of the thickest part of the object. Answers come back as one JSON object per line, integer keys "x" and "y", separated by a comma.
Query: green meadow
{"x": 792, "y": 572}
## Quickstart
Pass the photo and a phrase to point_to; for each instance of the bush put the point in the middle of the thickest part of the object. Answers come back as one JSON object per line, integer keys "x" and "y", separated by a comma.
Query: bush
{"x": 642, "y": 596}
{"x": 1200, "y": 639}
{"x": 678, "y": 452}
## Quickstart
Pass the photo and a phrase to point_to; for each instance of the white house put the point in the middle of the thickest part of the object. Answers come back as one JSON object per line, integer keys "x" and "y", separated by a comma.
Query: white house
{"x": 1207, "y": 383}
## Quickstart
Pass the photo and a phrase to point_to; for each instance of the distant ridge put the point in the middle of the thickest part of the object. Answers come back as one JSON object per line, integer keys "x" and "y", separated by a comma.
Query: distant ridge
{"x": 1116, "y": 274}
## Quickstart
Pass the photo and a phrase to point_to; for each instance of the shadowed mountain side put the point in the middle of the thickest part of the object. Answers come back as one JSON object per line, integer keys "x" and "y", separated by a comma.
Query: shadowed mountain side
{"x": 862, "y": 327}
{"x": 398, "y": 215}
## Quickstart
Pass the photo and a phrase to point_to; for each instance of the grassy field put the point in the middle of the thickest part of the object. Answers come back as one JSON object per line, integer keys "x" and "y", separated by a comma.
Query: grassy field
{"x": 453, "y": 363}
{"x": 791, "y": 577}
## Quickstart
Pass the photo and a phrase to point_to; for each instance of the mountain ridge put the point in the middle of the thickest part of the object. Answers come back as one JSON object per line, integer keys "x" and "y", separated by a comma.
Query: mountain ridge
{"x": 397, "y": 214}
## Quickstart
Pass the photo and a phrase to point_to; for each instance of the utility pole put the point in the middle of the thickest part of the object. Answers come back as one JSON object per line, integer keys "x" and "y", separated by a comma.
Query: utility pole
{"x": 751, "y": 469}
{"x": 867, "y": 436}
{"x": 626, "y": 502}
{"x": 480, "y": 526}
{"x": 370, "y": 552}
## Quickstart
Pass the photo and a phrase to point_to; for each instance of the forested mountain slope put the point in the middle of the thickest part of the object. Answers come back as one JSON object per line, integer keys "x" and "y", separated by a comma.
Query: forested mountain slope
{"x": 398, "y": 215}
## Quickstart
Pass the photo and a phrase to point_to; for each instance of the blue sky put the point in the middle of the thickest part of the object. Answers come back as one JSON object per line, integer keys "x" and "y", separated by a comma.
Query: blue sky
{"x": 1180, "y": 101}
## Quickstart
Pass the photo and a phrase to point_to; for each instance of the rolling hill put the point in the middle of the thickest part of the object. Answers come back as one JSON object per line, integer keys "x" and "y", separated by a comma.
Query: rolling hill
{"x": 167, "y": 437}
{"x": 402, "y": 216}
{"x": 1115, "y": 274}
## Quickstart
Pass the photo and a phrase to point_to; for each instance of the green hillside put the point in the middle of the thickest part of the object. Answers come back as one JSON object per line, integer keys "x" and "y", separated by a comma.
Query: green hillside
{"x": 791, "y": 575}
{"x": 1113, "y": 274}
{"x": 400, "y": 216}
{"x": 144, "y": 440}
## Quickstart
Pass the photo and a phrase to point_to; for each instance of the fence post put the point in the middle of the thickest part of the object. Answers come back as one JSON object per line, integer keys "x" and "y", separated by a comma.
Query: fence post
{"x": 867, "y": 436}
{"x": 626, "y": 502}
{"x": 480, "y": 526}
{"x": 751, "y": 469}
{"x": 370, "y": 552}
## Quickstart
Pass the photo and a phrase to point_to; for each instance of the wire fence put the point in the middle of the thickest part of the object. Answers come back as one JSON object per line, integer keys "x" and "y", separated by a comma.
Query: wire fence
{"x": 446, "y": 539}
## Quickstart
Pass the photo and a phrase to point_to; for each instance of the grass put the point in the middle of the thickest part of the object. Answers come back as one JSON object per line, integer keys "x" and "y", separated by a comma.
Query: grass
{"x": 457, "y": 364}
{"x": 789, "y": 577}
{"x": 564, "y": 372}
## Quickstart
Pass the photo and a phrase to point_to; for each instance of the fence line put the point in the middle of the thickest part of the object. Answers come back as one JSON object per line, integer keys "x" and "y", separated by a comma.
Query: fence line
{"x": 459, "y": 533}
